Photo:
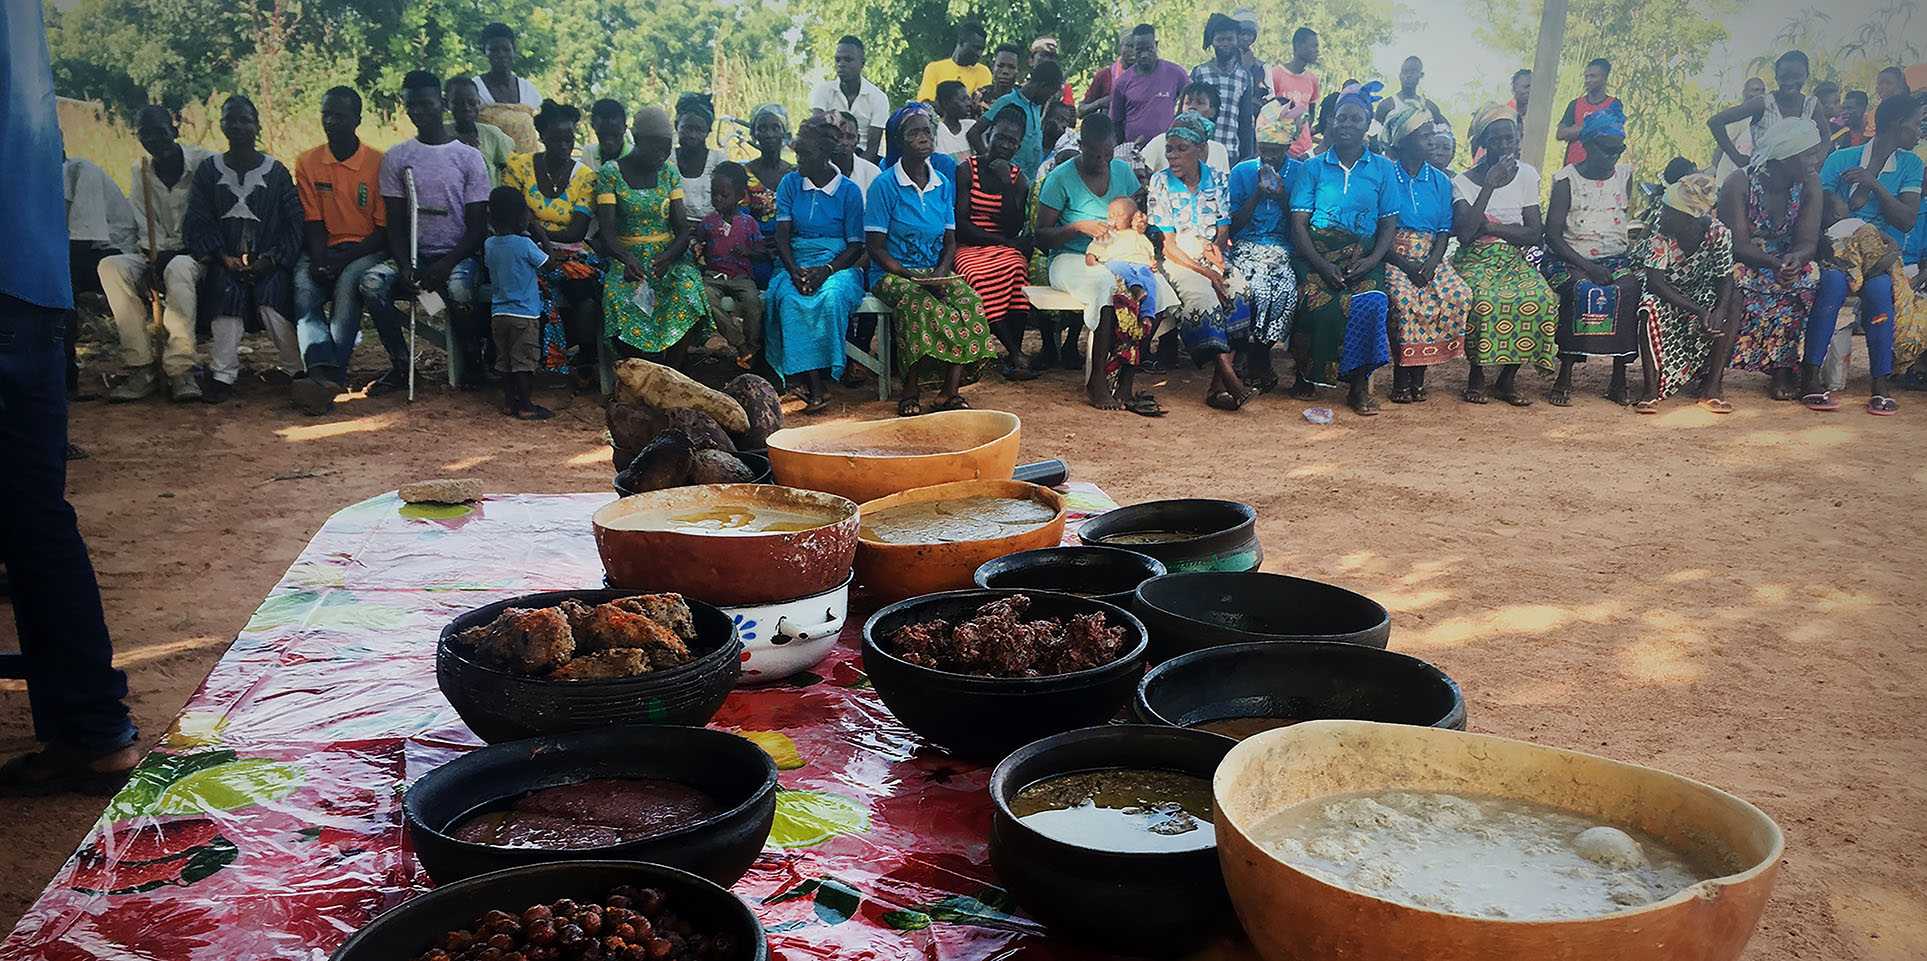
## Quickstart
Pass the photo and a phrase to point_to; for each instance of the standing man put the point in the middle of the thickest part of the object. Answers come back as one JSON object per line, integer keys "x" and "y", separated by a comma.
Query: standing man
{"x": 1006, "y": 65}
{"x": 1029, "y": 99}
{"x": 1097, "y": 96}
{"x": 77, "y": 696}
{"x": 1295, "y": 82}
{"x": 452, "y": 185}
{"x": 849, "y": 92}
{"x": 1521, "y": 91}
{"x": 1409, "y": 74}
{"x": 161, "y": 184}
{"x": 346, "y": 235}
{"x": 1225, "y": 71}
{"x": 1145, "y": 98}
{"x": 1247, "y": 20}
{"x": 964, "y": 65}
{"x": 1045, "y": 48}
{"x": 1593, "y": 101}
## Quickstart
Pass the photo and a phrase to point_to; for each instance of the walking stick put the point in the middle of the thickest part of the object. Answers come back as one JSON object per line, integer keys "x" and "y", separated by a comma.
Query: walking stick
{"x": 154, "y": 324}
{"x": 414, "y": 246}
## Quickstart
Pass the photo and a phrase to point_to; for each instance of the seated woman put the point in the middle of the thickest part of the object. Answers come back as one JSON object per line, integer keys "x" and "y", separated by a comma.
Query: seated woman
{"x": 1189, "y": 204}
{"x": 769, "y": 130}
{"x": 560, "y": 192}
{"x": 1588, "y": 229}
{"x": 1515, "y": 315}
{"x": 1261, "y": 239}
{"x": 244, "y": 223}
{"x": 1429, "y": 298}
{"x": 654, "y": 306}
{"x": 1773, "y": 207}
{"x": 993, "y": 242}
{"x": 1344, "y": 218}
{"x": 909, "y": 219}
{"x": 819, "y": 240}
{"x": 696, "y": 160}
{"x": 1690, "y": 296}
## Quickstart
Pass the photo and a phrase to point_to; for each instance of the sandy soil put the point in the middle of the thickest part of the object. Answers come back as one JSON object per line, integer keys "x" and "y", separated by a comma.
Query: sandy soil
{"x": 1730, "y": 598}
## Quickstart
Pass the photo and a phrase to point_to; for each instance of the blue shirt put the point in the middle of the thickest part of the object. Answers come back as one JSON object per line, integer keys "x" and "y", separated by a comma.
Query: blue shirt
{"x": 33, "y": 207}
{"x": 912, "y": 221}
{"x": 1902, "y": 174}
{"x": 1267, "y": 224}
{"x": 1064, "y": 191}
{"x": 821, "y": 213}
{"x": 1030, "y": 152}
{"x": 1353, "y": 200}
{"x": 1424, "y": 202}
{"x": 1916, "y": 246}
{"x": 512, "y": 262}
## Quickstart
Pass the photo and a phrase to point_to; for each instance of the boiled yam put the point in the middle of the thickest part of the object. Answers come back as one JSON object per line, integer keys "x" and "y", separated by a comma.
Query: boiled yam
{"x": 668, "y": 389}
{"x": 763, "y": 406}
{"x": 452, "y": 490}
{"x": 661, "y": 465}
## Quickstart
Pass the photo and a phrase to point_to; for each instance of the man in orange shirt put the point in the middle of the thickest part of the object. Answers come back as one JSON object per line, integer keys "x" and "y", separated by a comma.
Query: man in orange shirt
{"x": 347, "y": 233}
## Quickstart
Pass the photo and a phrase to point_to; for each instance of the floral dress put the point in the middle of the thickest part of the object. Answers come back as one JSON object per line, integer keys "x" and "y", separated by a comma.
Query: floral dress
{"x": 1773, "y": 304}
{"x": 1680, "y": 343}
{"x": 573, "y": 272}
{"x": 1189, "y": 218}
{"x": 643, "y": 229}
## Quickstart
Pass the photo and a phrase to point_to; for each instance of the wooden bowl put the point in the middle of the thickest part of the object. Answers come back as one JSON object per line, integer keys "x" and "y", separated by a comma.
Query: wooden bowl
{"x": 1293, "y": 916}
{"x": 730, "y": 569}
{"x": 892, "y": 572}
{"x": 866, "y": 460}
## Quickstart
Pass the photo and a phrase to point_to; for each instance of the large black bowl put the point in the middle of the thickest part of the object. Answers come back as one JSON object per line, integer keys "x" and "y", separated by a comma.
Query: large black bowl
{"x": 1138, "y": 904}
{"x": 1106, "y": 573}
{"x": 985, "y": 717}
{"x": 1189, "y": 612}
{"x": 756, "y": 461}
{"x": 407, "y": 930}
{"x": 500, "y": 705}
{"x": 738, "y": 774}
{"x": 1222, "y": 535}
{"x": 1306, "y": 681}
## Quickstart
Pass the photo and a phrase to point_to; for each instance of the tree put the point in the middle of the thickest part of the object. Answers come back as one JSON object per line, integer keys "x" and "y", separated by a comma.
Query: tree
{"x": 900, "y": 36}
{"x": 1854, "y": 58}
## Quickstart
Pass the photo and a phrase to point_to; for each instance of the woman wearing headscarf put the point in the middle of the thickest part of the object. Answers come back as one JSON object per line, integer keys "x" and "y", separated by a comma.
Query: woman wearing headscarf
{"x": 1189, "y": 203}
{"x": 1590, "y": 266}
{"x": 560, "y": 193}
{"x": 696, "y": 160}
{"x": 1773, "y": 208}
{"x": 910, "y": 222}
{"x": 655, "y": 302}
{"x": 1344, "y": 222}
{"x": 1689, "y": 297}
{"x": 993, "y": 236}
{"x": 1515, "y": 314}
{"x": 819, "y": 239}
{"x": 1261, "y": 238}
{"x": 1445, "y": 146}
{"x": 1429, "y": 298}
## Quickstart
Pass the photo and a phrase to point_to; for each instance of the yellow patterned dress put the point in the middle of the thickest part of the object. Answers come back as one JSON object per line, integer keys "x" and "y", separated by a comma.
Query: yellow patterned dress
{"x": 643, "y": 228}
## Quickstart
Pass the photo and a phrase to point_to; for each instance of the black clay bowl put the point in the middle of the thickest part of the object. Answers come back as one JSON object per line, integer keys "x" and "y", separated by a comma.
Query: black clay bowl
{"x": 986, "y": 717}
{"x": 1306, "y": 681}
{"x": 1190, "y": 612}
{"x": 1106, "y": 573}
{"x": 502, "y": 706}
{"x": 1186, "y": 535}
{"x": 756, "y": 461}
{"x": 736, "y": 773}
{"x": 1139, "y": 904}
{"x": 409, "y": 929}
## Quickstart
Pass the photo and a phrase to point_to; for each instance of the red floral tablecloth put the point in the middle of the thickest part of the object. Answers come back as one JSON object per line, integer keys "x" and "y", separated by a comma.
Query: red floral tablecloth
{"x": 267, "y": 823}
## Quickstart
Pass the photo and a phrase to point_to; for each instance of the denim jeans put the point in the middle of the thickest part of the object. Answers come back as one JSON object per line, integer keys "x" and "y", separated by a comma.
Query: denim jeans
{"x": 77, "y": 696}
{"x": 328, "y": 321}
{"x": 377, "y": 291}
{"x": 1876, "y": 312}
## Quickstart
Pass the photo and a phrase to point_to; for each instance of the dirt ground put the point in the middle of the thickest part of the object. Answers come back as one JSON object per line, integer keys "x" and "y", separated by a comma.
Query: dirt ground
{"x": 1731, "y": 598}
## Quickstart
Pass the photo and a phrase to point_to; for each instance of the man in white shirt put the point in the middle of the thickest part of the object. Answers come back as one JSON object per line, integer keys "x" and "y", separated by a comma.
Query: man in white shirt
{"x": 100, "y": 224}
{"x": 850, "y": 93}
{"x": 852, "y": 166}
{"x": 161, "y": 182}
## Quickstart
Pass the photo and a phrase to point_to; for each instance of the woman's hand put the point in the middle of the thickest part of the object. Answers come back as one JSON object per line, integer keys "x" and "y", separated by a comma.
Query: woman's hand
{"x": 660, "y": 264}
{"x": 234, "y": 264}
{"x": 1501, "y": 172}
{"x": 1094, "y": 229}
{"x": 632, "y": 271}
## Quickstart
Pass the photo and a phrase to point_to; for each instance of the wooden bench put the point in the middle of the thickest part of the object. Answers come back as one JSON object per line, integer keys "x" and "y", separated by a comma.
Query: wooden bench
{"x": 1050, "y": 300}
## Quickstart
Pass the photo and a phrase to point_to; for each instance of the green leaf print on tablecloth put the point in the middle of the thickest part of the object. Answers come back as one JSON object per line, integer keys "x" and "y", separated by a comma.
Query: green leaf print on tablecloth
{"x": 808, "y": 818}
{"x": 335, "y": 610}
{"x": 178, "y": 784}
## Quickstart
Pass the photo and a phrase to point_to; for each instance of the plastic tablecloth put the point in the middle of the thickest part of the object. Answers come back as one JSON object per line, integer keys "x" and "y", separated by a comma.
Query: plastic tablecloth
{"x": 268, "y": 824}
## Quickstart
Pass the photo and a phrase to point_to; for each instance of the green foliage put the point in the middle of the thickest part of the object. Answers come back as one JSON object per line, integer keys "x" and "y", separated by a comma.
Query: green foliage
{"x": 1854, "y": 57}
{"x": 1347, "y": 33}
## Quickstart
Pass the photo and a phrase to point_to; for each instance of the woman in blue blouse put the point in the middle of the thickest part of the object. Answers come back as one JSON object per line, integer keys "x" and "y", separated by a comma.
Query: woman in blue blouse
{"x": 1429, "y": 299}
{"x": 1260, "y": 240}
{"x": 819, "y": 237}
{"x": 1344, "y": 218}
{"x": 910, "y": 222}
{"x": 1191, "y": 206}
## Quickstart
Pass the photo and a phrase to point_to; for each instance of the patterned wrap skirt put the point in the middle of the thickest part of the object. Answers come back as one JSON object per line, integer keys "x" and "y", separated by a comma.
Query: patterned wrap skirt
{"x": 1344, "y": 330}
{"x": 1428, "y": 323}
{"x": 1271, "y": 288}
{"x": 943, "y": 323}
{"x": 1204, "y": 325}
{"x": 682, "y": 304}
{"x": 1773, "y": 316}
{"x": 1515, "y": 314}
{"x": 572, "y": 274}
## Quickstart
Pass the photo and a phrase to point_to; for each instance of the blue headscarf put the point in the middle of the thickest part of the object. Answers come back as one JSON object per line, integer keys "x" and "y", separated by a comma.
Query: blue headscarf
{"x": 1365, "y": 95}
{"x": 1194, "y": 127}
{"x": 1610, "y": 122}
{"x": 893, "y": 139}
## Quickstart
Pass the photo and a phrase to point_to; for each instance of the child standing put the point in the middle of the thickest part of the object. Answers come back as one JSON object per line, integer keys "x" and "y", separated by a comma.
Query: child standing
{"x": 513, "y": 258}
{"x": 730, "y": 238}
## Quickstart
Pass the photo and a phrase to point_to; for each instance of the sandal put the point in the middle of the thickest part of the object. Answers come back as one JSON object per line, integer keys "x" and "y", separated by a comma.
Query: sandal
{"x": 1222, "y": 400}
{"x": 1014, "y": 373}
{"x": 1364, "y": 407}
{"x": 909, "y": 407}
{"x": 815, "y": 405}
{"x": 531, "y": 412}
{"x": 1303, "y": 390}
{"x": 1646, "y": 407}
{"x": 1475, "y": 395}
{"x": 1822, "y": 401}
{"x": 1144, "y": 405}
{"x": 1558, "y": 397}
{"x": 1418, "y": 394}
{"x": 954, "y": 403}
{"x": 46, "y": 772}
{"x": 1402, "y": 395}
{"x": 1717, "y": 405}
{"x": 1265, "y": 384}
{"x": 1881, "y": 406}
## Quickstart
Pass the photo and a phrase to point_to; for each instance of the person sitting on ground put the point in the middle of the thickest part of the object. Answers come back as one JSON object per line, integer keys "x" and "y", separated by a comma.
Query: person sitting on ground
{"x": 1774, "y": 209}
{"x": 1690, "y": 298}
{"x": 964, "y": 64}
{"x": 954, "y": 120}
{"x": 653, "y": 304}
{"x": 464, "y": 107}
{"x": 347, "y": 235}
{"x": 163, "y": 268}
{"x": 850, "y": 91}
{"x": 729, "y": 240}
{"x": 1515, "y": 314}
{"x": 243, "y": 224}
{"x": 559, "y": 191}
{"x": 514, "y": 258}
{"x": 993, "y": 239}
{"x": 1590, "y": 263}
{"x": 451, "y": 186}
{"x": 1572, "y": 126}
{"x": 1006, "y": 68}
{"x": 1127, "y": 253}
{"x": 695, "y": 159}
{"x": 609, "y": 129}
{"x": 819, "y": 240}
{"x": 507, "y": 102}
{"x": 1199, "y": 98}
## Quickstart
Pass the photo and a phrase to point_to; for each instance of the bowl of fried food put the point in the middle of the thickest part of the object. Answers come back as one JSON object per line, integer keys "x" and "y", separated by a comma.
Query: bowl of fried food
{"x": 567, "y": 661}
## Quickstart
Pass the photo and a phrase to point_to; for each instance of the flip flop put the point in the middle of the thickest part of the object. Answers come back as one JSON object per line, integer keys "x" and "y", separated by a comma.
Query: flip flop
{"x": 1222, "y": 400}
{"x": 1366, "y": 408}
{"x": 1144, "y": 405}
{"x": 1822, "y": 401}
{"x": 1402, "y": 395}
{"x": 954, "y": 403}
{"x": 909, "y": 407}
{"x": 1881, "y": 406}
{"x": 816, "y": 405}
{"x": 1646, "y": 407}
{"x": 1718, "y": 405}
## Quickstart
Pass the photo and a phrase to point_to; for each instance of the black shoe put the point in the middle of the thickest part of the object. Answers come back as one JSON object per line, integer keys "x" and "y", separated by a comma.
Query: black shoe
{"x": 315, "y": 393}
{"x": 215, "y": 391}
{"x": 276, "y": 377}
{"x": 54, "y": 771}
{"x": 393, "y": 381}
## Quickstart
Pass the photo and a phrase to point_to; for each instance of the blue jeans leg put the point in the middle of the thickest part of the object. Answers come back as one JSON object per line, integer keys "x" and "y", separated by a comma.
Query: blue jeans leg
{"x": 1877, "y": 312}
{"x": 346, "y": 320}
{"x": 378, "y": 293}
{"x": 311, "y": 326}
{"x": 1826, "y": 310}
{"x": 76, "y": 695}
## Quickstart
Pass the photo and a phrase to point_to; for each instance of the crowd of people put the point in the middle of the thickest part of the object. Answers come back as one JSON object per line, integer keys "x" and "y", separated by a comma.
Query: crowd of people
{"x": 1212, "y": 214}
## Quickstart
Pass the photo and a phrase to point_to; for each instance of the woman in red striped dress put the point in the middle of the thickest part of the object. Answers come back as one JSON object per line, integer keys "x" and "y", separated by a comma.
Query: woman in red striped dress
{"x": 993, "y": 247}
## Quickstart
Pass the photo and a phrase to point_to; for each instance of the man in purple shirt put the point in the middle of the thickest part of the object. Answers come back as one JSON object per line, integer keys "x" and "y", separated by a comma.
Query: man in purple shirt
{"x": 451, "y": 186}
{"x": 1144, "y": 99}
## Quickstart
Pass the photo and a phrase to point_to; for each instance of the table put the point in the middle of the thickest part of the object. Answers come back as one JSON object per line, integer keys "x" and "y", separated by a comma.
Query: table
{"x": 267, "y": 823}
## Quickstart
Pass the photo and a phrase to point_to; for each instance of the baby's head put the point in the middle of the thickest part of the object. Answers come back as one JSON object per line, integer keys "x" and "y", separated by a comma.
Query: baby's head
{"x": 1123, "y": 211}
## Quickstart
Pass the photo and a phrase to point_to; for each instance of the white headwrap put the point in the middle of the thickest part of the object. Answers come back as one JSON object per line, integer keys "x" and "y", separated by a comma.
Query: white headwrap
{"x": 1785, "y": 138}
